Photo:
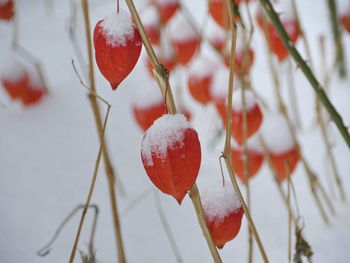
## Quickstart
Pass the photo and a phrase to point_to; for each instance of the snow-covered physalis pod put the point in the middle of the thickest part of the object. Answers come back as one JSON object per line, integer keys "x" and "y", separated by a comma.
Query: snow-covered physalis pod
{"x": 218, "y": 11}
{"x": 255, "y": 160}
{"x": 167, "y": 9}
{"x": 201, "y": 73}
{"x": 274, "y": 41}
{"x": 254, "y": 114}
{"x": 151, "y": 24}
{"x": 117, "y": 46}
{"x": 184, "y": 39}
{"x": 280, "y": 144}
{"x": 148, "y": 106}
{"x": 14, "y": 78}
{"x": 171, "y": 155}
{"x": 223, "y": 212}
{"x": 6, "y": 9}
{"x": 35, "y": 89}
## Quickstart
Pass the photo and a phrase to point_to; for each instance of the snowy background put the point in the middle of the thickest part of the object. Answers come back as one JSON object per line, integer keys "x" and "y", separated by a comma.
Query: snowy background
{"x": 48, "y": 152}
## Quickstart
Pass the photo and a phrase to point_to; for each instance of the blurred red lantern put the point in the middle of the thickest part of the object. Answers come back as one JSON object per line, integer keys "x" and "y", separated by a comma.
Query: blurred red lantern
{"x": 255, "y": 160}
{"x": 171, "y": 155}
{"x": 279, "y": 162}
{"x": 167, "y": 9}
{"x": 345, "y": 20}
{"x": 184, "y": 39}
{"x": 151, "y": 23}
{"x": 6, "y": 10}
{"x": 201, "y": 72}
{"x": 223, "y": 213}
{"x": 273, "y": 39}
{"x": 117, "y": 47}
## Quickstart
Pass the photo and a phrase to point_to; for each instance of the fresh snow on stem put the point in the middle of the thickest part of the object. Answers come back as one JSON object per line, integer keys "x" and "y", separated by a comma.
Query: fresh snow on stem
{"x": 118, "y": 28}
{"x": 164, "y": 133}
{"x": 219, "y": 201}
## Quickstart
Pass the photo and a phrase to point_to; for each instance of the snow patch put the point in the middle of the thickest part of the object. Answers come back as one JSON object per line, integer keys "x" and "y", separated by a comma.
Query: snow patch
{"x": 202, "y": 67}
{"x": 118, "y": 28}
{"x": 164, "y": 133}
{"x": 219, "y": 201}
{"x": 147, "y": 96}
{"x": 150, "y": 17}
{"x": 180, "y": 29}
{"x": 220, "y": 83}
{"x": 237, "y": 102}
{"x": 276, "y": 133}
{"x": 13, "y": 70}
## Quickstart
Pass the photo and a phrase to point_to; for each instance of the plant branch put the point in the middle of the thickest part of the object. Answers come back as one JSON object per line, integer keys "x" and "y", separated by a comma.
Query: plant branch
{"x": 266, "y": 4}
{"x": 96, "y": 111}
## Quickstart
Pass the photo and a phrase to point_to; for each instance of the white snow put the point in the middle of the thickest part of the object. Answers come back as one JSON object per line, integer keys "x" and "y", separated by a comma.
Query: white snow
{"x": 237, "y": 102}
{"x": 118, "y": 28}
{"x": 150, "y": 16}
{"x": 162, "y": 135}
{"x": 202, "y": 66}
{"x": 219, "y": 201}
{"x": 12, "y": 70}
{"x": 276, "y": 133}
{"x": 180, "y": 29}
{"x": 166, "y": 50}
{"x": 147, "y": 95}
{"x": 285, "y": 9}
{"x": 253, "y": 143}
{"x": 35, "y": 79}
{"x": 215, "y": 33}
{"x": 220, "y": 82}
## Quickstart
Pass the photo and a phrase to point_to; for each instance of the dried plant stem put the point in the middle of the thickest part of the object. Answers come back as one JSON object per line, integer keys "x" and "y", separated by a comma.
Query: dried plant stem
{"x": 266, "y": 4}
{"x": 227, "y": 148}
{"x": 162, "y": 77}
{"x": 96, "y": 111}
{"x": 289, "y": 215}
{"x": 92, "y": 186}
{"x": 166, "y": 227}
{"x": 339, "y": 51}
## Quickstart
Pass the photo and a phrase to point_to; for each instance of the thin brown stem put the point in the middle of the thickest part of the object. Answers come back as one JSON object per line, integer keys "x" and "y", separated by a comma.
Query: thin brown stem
{"x": 162, "y": 78}
{"x": 227, "y": 148}
{"x": 96, "y": 111}
{"x": 92, "y": 186}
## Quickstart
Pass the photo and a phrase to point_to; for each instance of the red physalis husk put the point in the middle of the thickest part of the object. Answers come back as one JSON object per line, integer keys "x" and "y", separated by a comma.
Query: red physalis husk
{"x": 345, "y": 21}
{"x": 167, "y": 9}
{"x": 171, "y": 155}
{"x": 218, "y": 11}
{"x": 117, "y": 47}
{"x": 145, "y": 116}
{"x": 273, "y": 39}
{"x": 254, "y": 115}
{"x": 22, "y": 84}
{"x": 6, "y": 10}
{"x": 279, "y": 162}
{"x": 201, "y": 73}
{"x": 223, "y": 213}
{"x": 184, "y": 39}
{"x": 255, "y": 160}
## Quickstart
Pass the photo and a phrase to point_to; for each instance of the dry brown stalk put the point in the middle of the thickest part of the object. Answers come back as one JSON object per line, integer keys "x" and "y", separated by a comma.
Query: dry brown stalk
{"x": 96, "y": 111}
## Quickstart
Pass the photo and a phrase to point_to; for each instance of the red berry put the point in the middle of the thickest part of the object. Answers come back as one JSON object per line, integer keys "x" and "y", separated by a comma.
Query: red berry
{"x": 171, "y": 155}
{"x": 117, "y": 47}
{"x": 223, "y": 213}
{"x": 6, "y": 10}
